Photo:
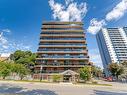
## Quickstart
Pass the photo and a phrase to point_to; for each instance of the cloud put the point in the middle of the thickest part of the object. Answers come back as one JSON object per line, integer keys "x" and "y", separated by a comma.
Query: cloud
{"x": 95, "y": 25}
{"x": 71, "y": 11}
{"x": 95, "y": 57}
{"x": 9, "y": 45}
{"x": 67, "y": 2}
{"x": 6, "y": 30}
{"x": 118, "y": 11}
{"x": 19, "y": 46}
{"x": 3, "y": 41}
{"x": 5, "y": 55}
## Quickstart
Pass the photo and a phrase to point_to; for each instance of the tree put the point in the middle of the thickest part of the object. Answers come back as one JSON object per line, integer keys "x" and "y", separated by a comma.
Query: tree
{"x": 9, "y": 68}
{"x": 124, "y": 75}
{"x": 124, "y": 63}
{"x": 26, "y": 58}
{"x": 21, "y": 70}
{"x": 85, "y": 73}
{"x": 115, "y": 69}
{"x": 4, "y": 69}
{"x": 96, "y": 71}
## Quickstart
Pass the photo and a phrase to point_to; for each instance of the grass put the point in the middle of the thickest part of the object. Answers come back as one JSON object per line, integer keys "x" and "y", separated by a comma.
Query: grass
{"x": 93, "y": 84}
{"x": 99, "y": 84}
{"x": 33, "y": 81}
{"x": 42, "y": 81}
{"x": 46, "y": 81}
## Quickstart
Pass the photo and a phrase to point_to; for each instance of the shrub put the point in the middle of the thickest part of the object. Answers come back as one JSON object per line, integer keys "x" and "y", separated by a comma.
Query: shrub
{"x": 85, "y": 73}
{"x": 56, "y": 78}
{"x": 94, "y": 82}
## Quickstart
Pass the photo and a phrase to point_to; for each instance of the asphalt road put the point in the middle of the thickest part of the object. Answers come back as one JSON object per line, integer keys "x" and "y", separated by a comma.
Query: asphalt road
{"x": 25, "y": 88}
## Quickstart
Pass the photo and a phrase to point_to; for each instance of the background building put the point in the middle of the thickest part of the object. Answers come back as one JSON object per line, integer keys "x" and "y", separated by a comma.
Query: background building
{"x": 62, "y": 49}
{"x": 4, "y": 57}
{"x": 112, "y": 43}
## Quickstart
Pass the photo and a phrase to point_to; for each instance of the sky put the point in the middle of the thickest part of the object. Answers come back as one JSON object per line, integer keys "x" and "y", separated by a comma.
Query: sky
{"x": 21, "y": 21}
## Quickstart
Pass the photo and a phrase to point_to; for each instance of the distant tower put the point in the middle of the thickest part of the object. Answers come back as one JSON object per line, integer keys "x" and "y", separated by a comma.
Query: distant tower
{"x": 62, "y": 48}
{"x": 112, "y": 43}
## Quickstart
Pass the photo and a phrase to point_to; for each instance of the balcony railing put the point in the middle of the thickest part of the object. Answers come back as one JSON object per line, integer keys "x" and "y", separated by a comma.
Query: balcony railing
{"x": 64, "y": 44}
{"x": 63, "y": 26}
{"x": 62, "y": 38}
{"x": 64, "y": 65}
{"x": 64, "y": 56}
{"x": 62, "y": 52}
{"x": 71, "y": 33}
{"x": 63, "y": 30}
{"x": 66, "y": 50}
{"x": 59, "y": 34}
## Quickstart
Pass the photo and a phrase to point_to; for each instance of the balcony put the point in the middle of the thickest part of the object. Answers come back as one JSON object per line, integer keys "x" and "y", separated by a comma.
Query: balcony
{"x": 62, "y": 50}
{"x": 62, "y": 41}
{"x": 61, "y": 23}
{"x": 58, "y": 52}
{"x": 64, "y": 65}
{"x": 63, "y": 58}
{"x": 59, "y": 38}
{"x": 53, "y": 30}
{"x": 66, "y": 46}
{"x": 66, "y": 33}
{"x": 61, "y": 35}
{"x": 62, "y": 26}
{"x": 62, "y": 29}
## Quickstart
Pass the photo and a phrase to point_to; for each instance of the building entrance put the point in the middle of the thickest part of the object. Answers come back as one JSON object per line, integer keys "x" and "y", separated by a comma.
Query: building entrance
{"x": 67, "y": 78}
{"x": 70, "y": 76}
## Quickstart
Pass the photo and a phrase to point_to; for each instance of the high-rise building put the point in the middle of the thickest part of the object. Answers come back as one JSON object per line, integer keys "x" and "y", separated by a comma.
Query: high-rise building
{"x": 112, "y": 43}
{"x": 62, "y": 49}
{"x": 125, "y": 29}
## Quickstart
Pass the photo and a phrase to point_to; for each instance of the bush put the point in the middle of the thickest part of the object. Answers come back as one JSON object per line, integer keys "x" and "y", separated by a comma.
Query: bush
{"x": 94, "y": 82}
{"x": 56, "y": 78}
{"x": 85, "y": 73}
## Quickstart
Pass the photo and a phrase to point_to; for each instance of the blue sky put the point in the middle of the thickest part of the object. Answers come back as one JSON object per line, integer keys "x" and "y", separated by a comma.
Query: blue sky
{"x": 20, "y": 22}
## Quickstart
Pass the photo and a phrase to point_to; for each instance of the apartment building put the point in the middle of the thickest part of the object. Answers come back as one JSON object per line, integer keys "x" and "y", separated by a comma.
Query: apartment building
{"x": 112, "y": 43}
{"x": 62, "y": 50}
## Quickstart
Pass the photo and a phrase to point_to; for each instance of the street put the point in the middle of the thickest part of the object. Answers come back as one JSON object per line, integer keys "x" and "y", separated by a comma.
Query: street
{"x": 30, "y": 88}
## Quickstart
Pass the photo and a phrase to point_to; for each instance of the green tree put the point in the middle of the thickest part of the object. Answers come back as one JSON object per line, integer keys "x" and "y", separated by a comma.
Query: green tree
{"x": 115, "y": 69}
{"x": 26, "y": 58}
{"x": 9, "y": 68}
{"x": 96, "y": 71}
{"x": 13, "y": 67}
{"x": 21, "y": 70}
{"x": 124, "y": 63}
{"x": 124, "y": 75}
{"x": 4, "y": 69}
{"x": 85, "y": 73}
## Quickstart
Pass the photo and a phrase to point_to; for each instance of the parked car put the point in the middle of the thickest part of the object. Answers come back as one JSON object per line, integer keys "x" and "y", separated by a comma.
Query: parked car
{"x": 110, "y": 79}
